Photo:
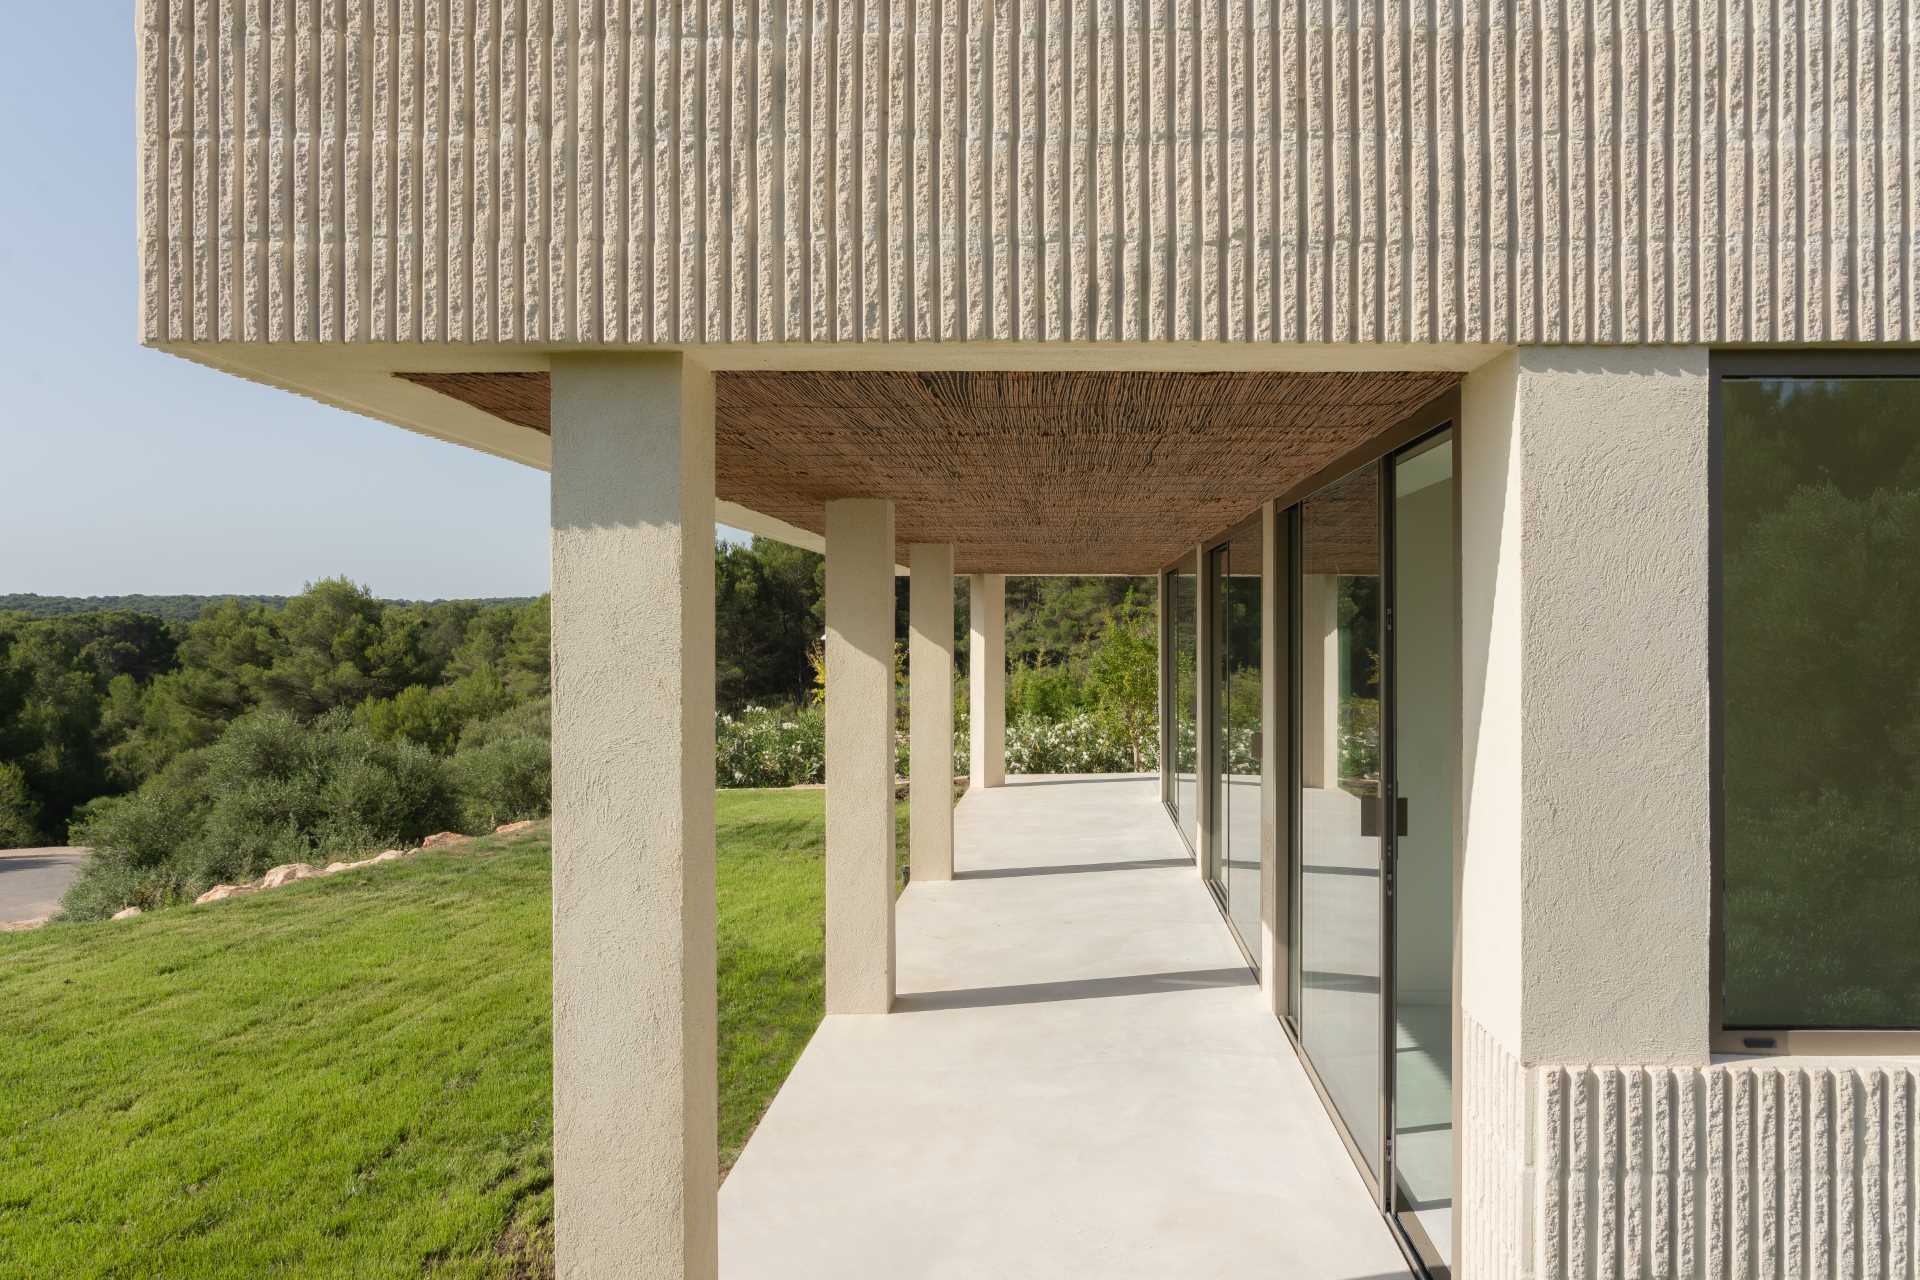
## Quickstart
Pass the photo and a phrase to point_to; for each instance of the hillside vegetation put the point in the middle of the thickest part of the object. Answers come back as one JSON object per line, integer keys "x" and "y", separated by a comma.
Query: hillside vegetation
{"x": 336, "y": 723}
{"x": 179, "y": 608}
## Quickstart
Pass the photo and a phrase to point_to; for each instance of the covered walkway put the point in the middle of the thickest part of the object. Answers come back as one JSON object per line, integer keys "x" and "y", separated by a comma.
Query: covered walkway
{"x": 1079, "y": 1079}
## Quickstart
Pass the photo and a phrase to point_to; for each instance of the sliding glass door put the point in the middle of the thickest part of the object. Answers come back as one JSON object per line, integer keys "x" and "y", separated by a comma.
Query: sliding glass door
{"x": 1236, "y": 571}
{"x": 1342, "y": 896}
{"x": 1375, "y": 655}
{"x": 1423, "y": 650}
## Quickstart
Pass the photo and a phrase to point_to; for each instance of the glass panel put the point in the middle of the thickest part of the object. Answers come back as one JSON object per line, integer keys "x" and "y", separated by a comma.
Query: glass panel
{"x": 1218, "y": 669}
{"x": 1182, "y": 660}
{"x": 1424, "y": 661}
{"x": 1820, "y": 730}
{"x": 1241, "y": 697}
{"x": 1339, "y": 704}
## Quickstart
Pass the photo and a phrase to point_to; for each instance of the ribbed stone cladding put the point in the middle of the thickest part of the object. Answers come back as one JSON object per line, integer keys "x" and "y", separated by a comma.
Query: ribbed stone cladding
{"x": 1749, "y": 1168}
{"x": 639, "y": 171}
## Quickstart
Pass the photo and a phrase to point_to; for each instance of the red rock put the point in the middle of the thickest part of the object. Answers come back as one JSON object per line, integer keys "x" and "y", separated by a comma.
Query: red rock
{"x": 444, "y": 840}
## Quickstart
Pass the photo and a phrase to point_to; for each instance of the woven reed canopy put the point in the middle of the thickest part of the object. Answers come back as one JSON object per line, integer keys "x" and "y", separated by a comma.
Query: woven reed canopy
{"x": 1024, "y": 472}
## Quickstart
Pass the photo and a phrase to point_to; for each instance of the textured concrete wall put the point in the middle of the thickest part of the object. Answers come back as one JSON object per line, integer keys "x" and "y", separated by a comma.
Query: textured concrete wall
{"x": 1761, "y": 1167}
{"x": 634, "y": 1087}
{"x": 639, "y": 171}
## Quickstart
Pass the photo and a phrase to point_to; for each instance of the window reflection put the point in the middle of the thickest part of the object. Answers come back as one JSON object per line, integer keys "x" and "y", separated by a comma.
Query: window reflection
{"x": 1820, "y": 679}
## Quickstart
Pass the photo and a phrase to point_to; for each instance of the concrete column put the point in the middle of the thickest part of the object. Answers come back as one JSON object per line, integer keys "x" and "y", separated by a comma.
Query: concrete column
{"x": 1583, "y": 853}
{"x": 1584, "y": 570}
{"x": 987, "y": 680}
{"x": 860, "y": 756}
{"x": 634, "y": 1106}
{"x": 930, "y": 680}
{"x": 1319, "y": 680}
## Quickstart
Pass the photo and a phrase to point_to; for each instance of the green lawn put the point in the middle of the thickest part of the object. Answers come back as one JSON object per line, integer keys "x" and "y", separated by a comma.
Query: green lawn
{"x": 350, "y": 1076}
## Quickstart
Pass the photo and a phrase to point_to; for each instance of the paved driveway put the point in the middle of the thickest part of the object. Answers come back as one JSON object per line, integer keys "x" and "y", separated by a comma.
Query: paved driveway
{"x": 32, "y": 880}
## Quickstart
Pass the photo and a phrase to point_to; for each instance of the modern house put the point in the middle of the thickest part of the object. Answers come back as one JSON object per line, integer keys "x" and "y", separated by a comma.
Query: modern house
{"x": 1518, "y": 404}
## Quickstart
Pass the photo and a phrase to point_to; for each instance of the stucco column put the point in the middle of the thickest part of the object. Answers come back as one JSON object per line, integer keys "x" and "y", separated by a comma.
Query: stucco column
{"x": 860, "y": 756}
{"x": 1319, "y": 680}
{"x": 987, "y": 680}
{"x": 1584, "y": 562}
{"x": 930, "y": 696}
{"x": 635, "y": 1133}
{"x": 1583, "y": 842}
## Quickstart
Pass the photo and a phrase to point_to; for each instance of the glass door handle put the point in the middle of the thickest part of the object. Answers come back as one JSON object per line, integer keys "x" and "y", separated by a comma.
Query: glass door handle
{"x": 1370, "y": 817}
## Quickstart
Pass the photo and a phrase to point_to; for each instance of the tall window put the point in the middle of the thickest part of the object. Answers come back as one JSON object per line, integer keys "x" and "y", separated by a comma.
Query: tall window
{"x": 1819, "y": 688}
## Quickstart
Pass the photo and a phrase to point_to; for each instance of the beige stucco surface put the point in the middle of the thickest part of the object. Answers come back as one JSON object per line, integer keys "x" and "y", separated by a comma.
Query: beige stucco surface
{"x": 1584, "y": 562}
{"x": 1614, "y": 704}
{"x": 1266, "y": 171}
{"x": 987, "y": 680}
{"x": 634, "y": 1075}
{"x": 930, "y": 710}
{"x": 860, "y": 834}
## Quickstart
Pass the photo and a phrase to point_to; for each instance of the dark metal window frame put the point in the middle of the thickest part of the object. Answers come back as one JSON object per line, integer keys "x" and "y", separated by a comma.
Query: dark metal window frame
{"x": 1722, "y": 366}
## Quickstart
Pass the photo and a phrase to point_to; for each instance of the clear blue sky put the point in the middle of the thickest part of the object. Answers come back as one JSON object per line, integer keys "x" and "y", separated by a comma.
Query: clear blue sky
{"x": 124, "y": 470}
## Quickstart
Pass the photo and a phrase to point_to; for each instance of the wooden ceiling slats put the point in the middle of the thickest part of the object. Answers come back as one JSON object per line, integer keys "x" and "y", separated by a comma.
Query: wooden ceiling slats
{"x": 1025, "y": 472}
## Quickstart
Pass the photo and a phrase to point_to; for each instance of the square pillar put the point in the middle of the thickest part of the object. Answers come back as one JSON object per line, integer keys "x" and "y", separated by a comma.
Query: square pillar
{"x": 1583, "y": 838}
{"x": 635, "y": 1132}
{"x": 930, "y": 697}
{"x": 1319, "y": 680}
{"x": 860, "y": 755}
{"x": 987, "y": 680}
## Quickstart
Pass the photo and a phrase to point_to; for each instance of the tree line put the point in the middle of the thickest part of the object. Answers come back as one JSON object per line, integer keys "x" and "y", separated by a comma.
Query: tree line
{"x": 262, "y": 732}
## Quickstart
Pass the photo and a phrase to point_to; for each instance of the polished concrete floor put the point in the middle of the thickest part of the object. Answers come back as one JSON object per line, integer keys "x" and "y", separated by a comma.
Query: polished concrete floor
{"x": 1079, "y": 1079}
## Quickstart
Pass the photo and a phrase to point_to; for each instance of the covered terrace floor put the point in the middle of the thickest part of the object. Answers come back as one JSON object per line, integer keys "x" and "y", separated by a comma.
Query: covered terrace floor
{"x": 1079, "y": 1078}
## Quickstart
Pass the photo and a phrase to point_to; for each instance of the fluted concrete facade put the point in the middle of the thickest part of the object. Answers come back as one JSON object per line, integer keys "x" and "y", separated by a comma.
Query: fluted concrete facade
{"x": 1745, "y": 1168}
{"x": 640, "y": 171}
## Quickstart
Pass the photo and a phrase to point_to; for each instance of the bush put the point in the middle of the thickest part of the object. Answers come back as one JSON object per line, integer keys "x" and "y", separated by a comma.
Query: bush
{"x": 770, "y": 747}
{"x": 1044, "y": 693}
{"x": 19, "y": 815}
{"x": 270, "y": 791}
{"x": 1081, "y": 743}
{"x": 528, "y": 720}
{"x": 504, "y": 779}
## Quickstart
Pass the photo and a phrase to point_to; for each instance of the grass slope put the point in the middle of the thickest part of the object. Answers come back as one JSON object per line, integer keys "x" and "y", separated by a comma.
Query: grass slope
{"x": 349, "y": 1076}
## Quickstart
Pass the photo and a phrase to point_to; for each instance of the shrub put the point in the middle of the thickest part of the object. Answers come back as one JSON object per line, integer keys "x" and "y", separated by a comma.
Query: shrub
{"x": 270, "y": 791}
{"x": 504, "y": 779}
{"x": 771, "y": 747}
{"x": 528, "y": 720}
{"x": 1081, "y": 743}
{"x": 1044, "y": 693}
{"x": 19, "y": 815}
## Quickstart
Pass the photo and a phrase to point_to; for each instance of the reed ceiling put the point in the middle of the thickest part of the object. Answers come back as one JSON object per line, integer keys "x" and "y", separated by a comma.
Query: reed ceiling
{"x": 1024, "y": 472}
